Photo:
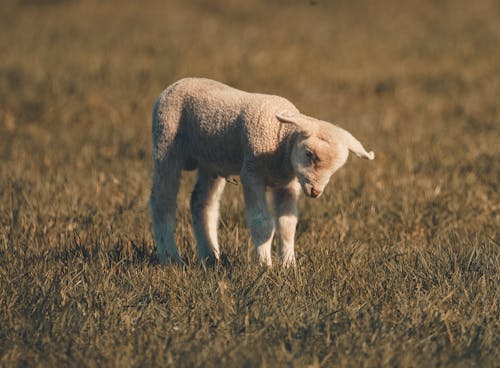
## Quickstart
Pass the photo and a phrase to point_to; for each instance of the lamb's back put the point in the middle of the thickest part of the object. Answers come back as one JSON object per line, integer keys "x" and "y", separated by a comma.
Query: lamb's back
{"x": 220, "y": 126}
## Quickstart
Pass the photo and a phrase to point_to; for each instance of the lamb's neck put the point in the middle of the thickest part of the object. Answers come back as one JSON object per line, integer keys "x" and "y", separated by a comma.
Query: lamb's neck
{"x": 284, "y": 155}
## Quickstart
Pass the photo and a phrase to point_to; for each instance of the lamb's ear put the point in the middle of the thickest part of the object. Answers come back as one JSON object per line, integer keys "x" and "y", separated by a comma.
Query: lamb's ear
{"x": 291, "y": 119}
{"x": 354, "y": 145}
{"x": 296, "y": 120}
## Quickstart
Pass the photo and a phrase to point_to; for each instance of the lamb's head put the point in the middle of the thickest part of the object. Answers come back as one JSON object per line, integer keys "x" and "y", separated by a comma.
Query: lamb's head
{"x": 319, "y": 150}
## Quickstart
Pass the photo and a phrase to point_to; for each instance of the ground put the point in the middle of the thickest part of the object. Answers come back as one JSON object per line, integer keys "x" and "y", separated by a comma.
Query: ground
{"x": 398, "y": 261}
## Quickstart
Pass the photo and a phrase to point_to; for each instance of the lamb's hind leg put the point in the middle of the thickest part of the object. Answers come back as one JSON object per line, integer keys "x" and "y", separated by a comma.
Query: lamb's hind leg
{"x": 205, "y": 201}
{"x": 163, "y": 201}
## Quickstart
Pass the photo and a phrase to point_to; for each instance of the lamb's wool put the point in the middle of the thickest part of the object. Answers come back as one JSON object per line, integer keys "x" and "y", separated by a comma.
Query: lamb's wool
{"x": 222, "y": 131}
{"x": 218, "y": 126}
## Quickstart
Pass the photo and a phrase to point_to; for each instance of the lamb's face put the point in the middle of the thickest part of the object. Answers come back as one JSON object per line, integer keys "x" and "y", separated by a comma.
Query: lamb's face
{"x": 320, "y": 150}
{"x": 314, "y": 162}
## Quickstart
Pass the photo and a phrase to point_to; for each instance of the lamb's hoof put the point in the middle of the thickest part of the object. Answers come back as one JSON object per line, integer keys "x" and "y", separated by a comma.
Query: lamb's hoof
{"x": 268, "y": 263}
{"x": 264, "y": 256}
{"x": 172, "y": 260}
{"x": 288, "y": 262}
{"x": 210, "y": 260}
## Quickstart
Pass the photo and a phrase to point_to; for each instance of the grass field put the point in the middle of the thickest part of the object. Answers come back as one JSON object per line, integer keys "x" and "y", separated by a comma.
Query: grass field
{"x": 398, "y": 262}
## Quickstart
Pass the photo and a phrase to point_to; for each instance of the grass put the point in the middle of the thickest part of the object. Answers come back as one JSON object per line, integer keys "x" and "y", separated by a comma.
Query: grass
{"x": 398, "y": 262}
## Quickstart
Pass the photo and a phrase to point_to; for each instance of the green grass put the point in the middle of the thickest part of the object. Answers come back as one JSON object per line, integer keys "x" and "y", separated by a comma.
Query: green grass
{"x": 398, "y": 262}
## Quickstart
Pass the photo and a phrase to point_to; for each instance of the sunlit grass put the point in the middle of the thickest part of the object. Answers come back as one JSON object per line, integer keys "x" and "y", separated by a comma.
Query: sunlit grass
{"x": 397, "y": 262}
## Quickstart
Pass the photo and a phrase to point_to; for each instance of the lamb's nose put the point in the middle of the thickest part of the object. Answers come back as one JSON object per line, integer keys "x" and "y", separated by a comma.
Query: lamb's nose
{"x": 315, "y": 193}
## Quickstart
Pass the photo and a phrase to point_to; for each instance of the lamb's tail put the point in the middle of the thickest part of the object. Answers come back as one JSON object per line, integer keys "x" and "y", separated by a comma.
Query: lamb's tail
{"x": 165, "y": 122}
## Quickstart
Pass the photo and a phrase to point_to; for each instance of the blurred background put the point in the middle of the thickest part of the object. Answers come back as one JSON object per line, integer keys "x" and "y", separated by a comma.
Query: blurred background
{"x": 418, "y": 82}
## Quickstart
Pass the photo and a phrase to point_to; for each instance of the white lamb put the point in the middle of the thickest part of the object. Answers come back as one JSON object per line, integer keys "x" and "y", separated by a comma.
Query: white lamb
{"x": 222, "y": 131}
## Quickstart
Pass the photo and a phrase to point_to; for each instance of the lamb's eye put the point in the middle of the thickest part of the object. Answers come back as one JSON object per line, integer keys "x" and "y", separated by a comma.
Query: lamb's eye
{"x": 311, "y": 157}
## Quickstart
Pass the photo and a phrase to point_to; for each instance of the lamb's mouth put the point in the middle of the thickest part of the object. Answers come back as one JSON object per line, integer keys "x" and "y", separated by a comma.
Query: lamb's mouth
{"x": 308, "y": 189}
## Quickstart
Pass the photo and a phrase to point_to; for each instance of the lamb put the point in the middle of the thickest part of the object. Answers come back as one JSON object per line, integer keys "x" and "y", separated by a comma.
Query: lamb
{"x": 221, "y": 131}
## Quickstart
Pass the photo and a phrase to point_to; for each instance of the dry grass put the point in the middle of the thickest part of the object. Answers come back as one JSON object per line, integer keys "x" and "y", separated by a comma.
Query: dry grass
{"x": 398, "y": 261}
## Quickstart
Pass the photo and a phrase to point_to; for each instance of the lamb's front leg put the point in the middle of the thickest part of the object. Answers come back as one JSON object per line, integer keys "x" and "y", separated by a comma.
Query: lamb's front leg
{"x": 259, "y": 218}
{"x": 285, "y": 206}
